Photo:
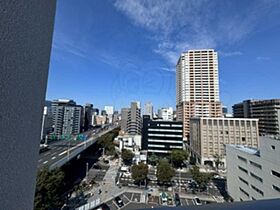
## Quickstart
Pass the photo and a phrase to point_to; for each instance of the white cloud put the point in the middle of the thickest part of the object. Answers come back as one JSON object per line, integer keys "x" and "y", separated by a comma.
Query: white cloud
{"x": 179, "y": 25}
{"x": 167, "y": 69}
{"x": 263, "y": 58}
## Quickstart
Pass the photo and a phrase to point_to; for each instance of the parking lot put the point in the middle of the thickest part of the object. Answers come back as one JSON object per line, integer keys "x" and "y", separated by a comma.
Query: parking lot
{"x": 127, "y": 198}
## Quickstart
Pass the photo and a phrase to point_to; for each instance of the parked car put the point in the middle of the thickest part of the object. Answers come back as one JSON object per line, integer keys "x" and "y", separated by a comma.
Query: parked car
{"x": 197, "y": 201}
{"x": 119, "y": 202}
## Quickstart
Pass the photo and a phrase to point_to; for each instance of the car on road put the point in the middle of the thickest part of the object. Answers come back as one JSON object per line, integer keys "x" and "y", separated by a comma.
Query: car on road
{"x": 177, "y": 199}
{"x": 197, "y": 201}
{"x": 119, "y": 202}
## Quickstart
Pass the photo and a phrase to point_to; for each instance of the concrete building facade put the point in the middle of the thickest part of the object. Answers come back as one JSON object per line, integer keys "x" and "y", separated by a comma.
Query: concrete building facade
{"x": 267, "y": 111}
{"x": 254, "y": 174}
{"x": 197, "y": 86}
{"x": 166, "y": 113}
{"x": 208, "y": 137}
{"x": 67, "y": 117}
{"x": 149, "y": 110}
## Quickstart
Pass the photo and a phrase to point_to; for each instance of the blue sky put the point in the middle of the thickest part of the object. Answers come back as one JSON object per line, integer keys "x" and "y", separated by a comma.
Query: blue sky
{"x": 112, "y": 52}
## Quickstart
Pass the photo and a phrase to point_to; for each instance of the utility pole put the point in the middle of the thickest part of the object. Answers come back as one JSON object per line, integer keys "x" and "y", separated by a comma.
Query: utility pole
{"x": 87, "y": 172}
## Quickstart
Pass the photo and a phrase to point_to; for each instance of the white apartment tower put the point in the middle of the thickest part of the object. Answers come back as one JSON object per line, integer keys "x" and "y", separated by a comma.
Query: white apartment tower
{"x": 197, "y": 86}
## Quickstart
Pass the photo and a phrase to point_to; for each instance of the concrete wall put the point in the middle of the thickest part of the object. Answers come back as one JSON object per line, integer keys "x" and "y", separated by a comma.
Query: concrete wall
{"x": 26, "y": 29}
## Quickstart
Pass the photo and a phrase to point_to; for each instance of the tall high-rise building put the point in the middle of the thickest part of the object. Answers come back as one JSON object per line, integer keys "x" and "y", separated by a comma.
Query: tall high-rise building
{"x": 67, "y": 117}
{"x": 149, "y": 109}
{"x": 88, "y": 115}
{"x": 267, "y": 111}
{"x": 131, "y": 121}
{"x": 197, "y": 86}
{"x": 72, "y": 120}
{"x": 124, "y": 118}
{"x": 134, "y": 122}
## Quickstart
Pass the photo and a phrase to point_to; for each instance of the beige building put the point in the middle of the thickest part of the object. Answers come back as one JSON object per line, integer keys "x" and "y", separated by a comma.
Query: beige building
{"x": 208, "y": 136}
{"x": 197, "y": 86}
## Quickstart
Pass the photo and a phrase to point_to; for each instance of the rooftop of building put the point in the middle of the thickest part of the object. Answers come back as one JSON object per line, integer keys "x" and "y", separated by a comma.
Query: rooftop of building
{"x": 246, "y": 149}
{"x": 225, "y": 118}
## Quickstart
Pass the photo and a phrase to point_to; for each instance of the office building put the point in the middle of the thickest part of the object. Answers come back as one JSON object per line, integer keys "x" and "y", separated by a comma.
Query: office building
{"x": 267, "y": 111}
{"x": 165, "y": 113}
{"x": 197, "y": 86}
{"x": 209, "y": 135}
{"x": 149, "y": 110}
{"x": 72, "y": 120}
{"x": 161, "y": 137}
{"x": 254, "y": 174}
{"x": 67, "y": 117}
{"x": 88, "y": 115}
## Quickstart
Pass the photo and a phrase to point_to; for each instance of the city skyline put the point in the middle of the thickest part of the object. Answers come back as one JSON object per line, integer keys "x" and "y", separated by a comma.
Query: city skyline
{"x": 89, "y": 44}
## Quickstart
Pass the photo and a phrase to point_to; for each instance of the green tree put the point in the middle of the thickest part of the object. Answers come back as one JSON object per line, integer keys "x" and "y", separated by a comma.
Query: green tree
{"x": 178, "y": 157}
{"x": 164, "y": 171}
{"x": 139, "y": 172}
{"x": 127, "y": 156}
{"x": 153, "y": 159}
{"x": 49, "y": 189}
{"x": 202, "y": 179}
{"x": 107, "y": 142}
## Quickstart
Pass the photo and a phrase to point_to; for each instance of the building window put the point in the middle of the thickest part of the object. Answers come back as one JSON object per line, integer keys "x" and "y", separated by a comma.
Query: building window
{"x": 256, "y": 177}
{"x": 276, "y": 188}
{"x": 242, "y": 159}
{"x": 243, "y": 180}
{"x": 243, "y": 169}
{"x": 275, "y": 173}
{"x": 257, "y": 189}
{"x": 244, "y": 192}
{"x": 256, "y": 165}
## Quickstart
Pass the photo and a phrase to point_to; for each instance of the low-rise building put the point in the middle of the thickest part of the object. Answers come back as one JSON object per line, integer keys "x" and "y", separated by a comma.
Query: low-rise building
{"x": 129, "y": 142}
{"x": 208, "y": 137}
{"x": 254, "y": 174}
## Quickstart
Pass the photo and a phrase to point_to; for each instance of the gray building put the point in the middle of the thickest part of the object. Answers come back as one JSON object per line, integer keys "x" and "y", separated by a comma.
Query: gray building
{"x": 134, "y": 121}
{"x": 67, "y": 117}
{"x": 72, "y": 120}
{"x": 267, "y": 111}
{"x": 254, "y": 174}
{"x": 124, "y": 118}
{"x": 131, "y": 121}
